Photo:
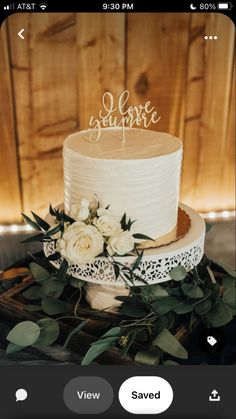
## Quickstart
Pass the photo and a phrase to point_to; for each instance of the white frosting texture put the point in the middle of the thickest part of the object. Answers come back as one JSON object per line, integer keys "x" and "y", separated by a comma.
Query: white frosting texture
{"x": 140, "y": 176}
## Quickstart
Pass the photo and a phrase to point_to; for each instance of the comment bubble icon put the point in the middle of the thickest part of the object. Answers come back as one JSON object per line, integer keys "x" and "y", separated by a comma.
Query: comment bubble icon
{"x": 21, "y": 395}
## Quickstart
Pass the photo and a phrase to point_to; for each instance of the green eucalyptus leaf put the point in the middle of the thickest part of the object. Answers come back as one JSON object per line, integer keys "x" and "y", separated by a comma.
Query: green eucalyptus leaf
{"x": 192, "y": 322}
{"x": 171, "y": 317}
{"x": 36, "y": 238}
{"x": 38, "y": 272}
{"x": 51, "y": 306}
{"x": 168, "y": 343}
{"x": 65, "y": 217}
{"x": 145, "y": 293}
{"x": 76, "y": 283}
{"x": 49, "y": 332}
{"x": 52, "y": 211}
{"x": 203, "y": 306}
{"x": 108, "y": 340}
{"x": 129, "y": 224}
{"x": 125, "y": 298}
{"x": 170, "y": 363}
{"x": 33, "y": 293}
{"x": 132, "y": 310}
{"x": 52, "y": 231}
{"x": 63, "y": 270}
{"x": 137, "y": 261}
{"x": 178, "y": 273}
{"x": 219, "y": 315}
{"x": 54, "y": 256}
{"x": 128, "y": 276}
{"x": 31, "y": 223}
{"x": 24, "y": 334}
{"x": 208, "y": 227}
{"x": 12, "y": 348}
{"x": 158, "y": 291}
{"x": 229, "y": 281}
{"x": 142, "y": 237}
{"x": 113, "y": 332}
{"x": 215, "y": 294}
{"x": 41, "y": 261}
{"x": 152, "y": 292}
{"x": 53, "y": 287}
{"x": 138, "y": 278}
{"x": 147, "y": 358}
{"x": 116, "y": 270}
{"x": 165, "y": 304}
{"x": 123, "y": 222}
{"x": 32, "y": 307}
{"x": 74, "y": 332}
{"x": 176, "y": 291}
{"x": 160, "y": 324}
{"x": 96, "y": 350}
{"x": 183, "y": 308}
{"x": 229, "y": 298}
{"x": 43, "y": 224}
{"x": 192, "y": 290}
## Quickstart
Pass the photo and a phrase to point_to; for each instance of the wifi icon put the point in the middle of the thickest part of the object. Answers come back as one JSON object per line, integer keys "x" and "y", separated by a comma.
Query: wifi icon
{"x": 43, "y": 6}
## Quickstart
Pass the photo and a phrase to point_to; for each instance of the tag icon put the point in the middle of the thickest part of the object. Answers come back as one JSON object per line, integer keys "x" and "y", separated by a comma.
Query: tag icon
{"x": 211, "y": 340}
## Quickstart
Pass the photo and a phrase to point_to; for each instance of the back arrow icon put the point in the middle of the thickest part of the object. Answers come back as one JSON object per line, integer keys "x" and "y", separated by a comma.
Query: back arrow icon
{"x": 20, "y": 34}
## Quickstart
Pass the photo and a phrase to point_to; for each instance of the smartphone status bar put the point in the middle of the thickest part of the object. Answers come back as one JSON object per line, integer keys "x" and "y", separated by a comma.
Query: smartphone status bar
{"x": 124, "y": 6}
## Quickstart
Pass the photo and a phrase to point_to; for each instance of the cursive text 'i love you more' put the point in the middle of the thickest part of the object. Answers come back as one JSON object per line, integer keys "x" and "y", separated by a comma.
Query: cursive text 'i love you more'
{"x": 128, "y": 117}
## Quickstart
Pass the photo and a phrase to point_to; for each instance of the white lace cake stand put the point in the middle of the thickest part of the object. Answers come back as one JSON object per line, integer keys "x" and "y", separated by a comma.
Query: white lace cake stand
{"x": 155, "y": 266}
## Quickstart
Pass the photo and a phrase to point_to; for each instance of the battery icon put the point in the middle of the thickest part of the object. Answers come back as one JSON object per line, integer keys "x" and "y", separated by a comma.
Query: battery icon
{"x": 224, "y": 6}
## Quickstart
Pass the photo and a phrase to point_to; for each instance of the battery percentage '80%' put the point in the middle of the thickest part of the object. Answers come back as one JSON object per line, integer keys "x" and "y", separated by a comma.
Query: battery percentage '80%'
{"x": 118, "y": 6}
{"x": 207, "y": 6}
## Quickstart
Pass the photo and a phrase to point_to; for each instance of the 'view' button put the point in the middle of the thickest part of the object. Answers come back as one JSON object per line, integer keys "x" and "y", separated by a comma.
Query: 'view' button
{"x": 146, "y": 395}
{"x": 88, "y": 395}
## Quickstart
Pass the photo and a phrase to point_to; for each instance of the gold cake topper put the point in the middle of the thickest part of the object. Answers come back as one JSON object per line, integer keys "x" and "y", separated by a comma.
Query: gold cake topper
{"x": 128, "y": 116}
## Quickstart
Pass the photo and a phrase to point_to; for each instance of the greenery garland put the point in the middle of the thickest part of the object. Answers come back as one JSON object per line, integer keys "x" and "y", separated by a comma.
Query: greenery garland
{"x": 148, "y": 316}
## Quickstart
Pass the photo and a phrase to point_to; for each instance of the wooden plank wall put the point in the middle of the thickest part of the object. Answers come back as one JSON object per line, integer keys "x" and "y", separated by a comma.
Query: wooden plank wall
{"x": 10, "y": 193}
{"x": 54, "y": 79}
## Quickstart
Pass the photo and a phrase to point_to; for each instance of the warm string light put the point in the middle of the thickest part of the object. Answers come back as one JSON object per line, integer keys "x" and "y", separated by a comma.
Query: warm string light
{"x": 15, "y": 228}
{"x": 219, "y": 215}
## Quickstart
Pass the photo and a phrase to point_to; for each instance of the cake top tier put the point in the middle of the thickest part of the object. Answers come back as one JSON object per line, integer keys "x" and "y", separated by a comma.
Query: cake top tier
{"x": 139, "y": 144}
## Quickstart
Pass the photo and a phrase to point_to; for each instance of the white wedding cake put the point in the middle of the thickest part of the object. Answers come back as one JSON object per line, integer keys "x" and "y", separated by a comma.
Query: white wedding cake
{"x": 140, "y": 176}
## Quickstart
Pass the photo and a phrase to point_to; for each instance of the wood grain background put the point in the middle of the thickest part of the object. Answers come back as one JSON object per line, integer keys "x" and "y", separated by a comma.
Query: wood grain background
{"x": 52, "y": 81}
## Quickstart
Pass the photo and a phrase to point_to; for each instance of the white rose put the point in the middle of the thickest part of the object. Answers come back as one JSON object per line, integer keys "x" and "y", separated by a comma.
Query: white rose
{"x": 120, "y": 243}
{"x": 80, "y": 212}
{"x": 107, "y": 223}
{"x": 80, "y": 243}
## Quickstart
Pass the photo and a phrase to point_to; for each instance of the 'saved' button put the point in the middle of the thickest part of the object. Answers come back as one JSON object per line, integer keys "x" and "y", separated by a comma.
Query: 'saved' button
{"x": 146, "y": 395}
{"x": 88, "y": 395}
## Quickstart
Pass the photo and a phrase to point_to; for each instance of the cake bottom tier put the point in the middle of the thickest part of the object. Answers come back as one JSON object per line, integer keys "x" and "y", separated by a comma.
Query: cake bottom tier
{"x": 103, "y": 297}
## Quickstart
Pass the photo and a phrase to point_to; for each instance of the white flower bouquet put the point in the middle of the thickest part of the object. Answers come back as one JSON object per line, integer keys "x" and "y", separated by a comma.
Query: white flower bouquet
{"x": 89, "y": 231}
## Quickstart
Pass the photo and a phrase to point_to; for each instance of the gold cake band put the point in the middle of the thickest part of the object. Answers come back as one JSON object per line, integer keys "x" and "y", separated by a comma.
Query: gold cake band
{"x": 182, "y": 227}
